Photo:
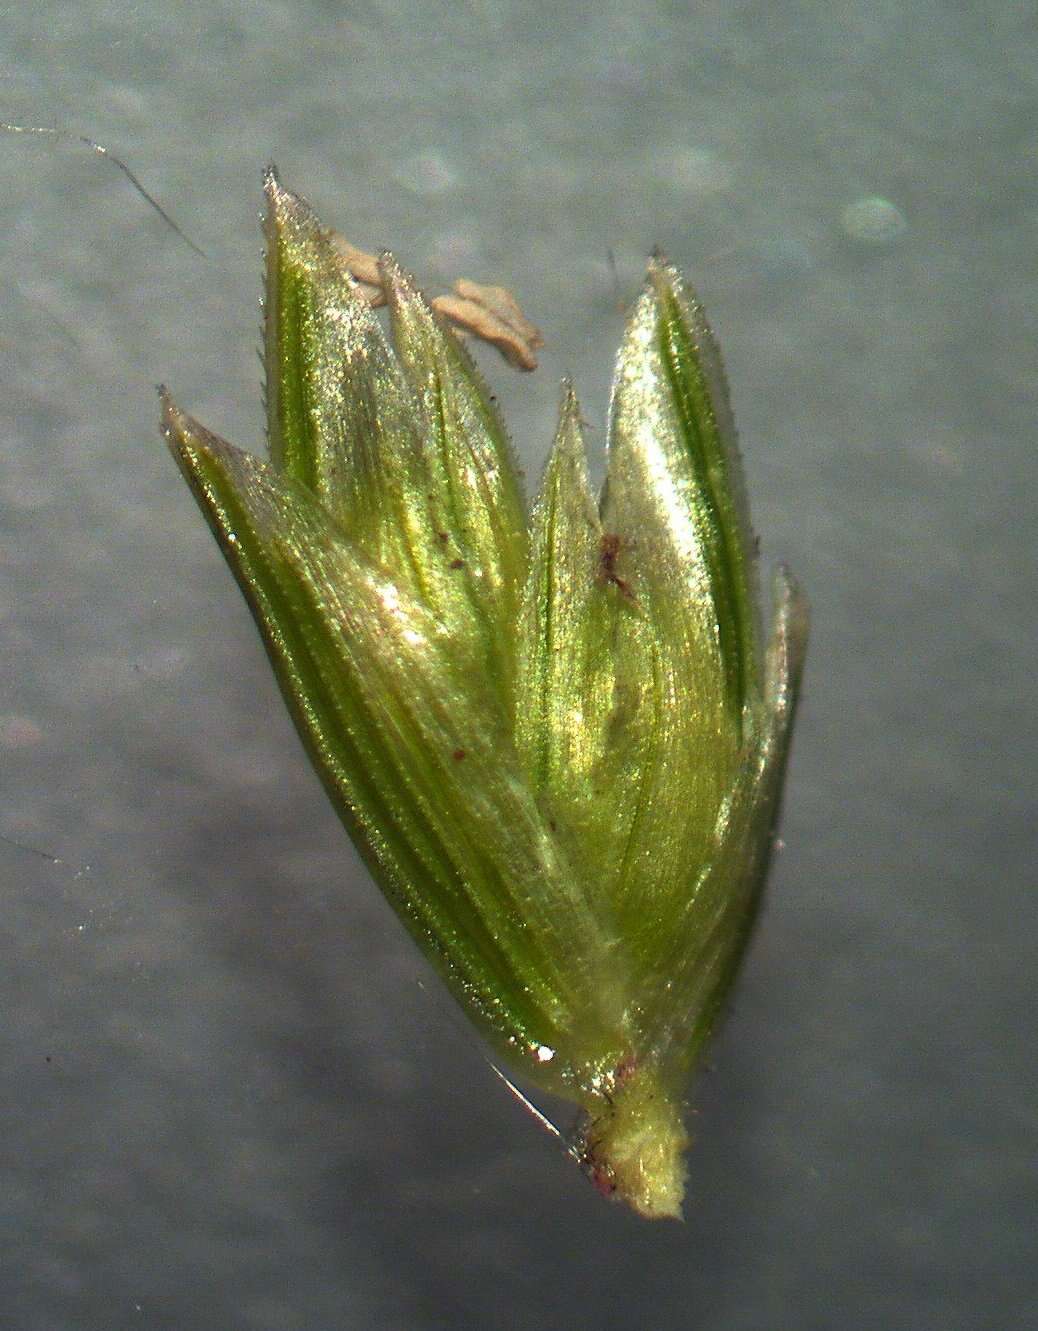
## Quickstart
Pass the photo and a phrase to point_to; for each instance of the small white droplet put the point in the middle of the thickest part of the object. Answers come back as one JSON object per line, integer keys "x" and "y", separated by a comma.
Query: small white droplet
{"x": 543, "y": 1053}
{"x": 873, "y": 220}
{"x": 694, "y": 169}
{"x": 19, "y": 732}
{"x": 425, "y": 173}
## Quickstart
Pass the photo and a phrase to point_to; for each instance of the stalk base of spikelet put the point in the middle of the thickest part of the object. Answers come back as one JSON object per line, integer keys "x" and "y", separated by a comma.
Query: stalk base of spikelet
{"x": 633, "y": 1145}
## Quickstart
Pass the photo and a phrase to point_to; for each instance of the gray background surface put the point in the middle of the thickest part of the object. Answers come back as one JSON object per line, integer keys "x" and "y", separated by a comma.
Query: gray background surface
{"x": 228, "y": 1097}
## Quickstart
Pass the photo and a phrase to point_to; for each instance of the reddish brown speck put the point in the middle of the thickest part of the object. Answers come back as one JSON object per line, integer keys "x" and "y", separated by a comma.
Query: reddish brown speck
{"x": 458, "y": 754}
{"x": 602, "y": 1178}
{"x": 611, "y": 547}
{"x": 457, "y": 563}
{"x": 624, "y": 1068}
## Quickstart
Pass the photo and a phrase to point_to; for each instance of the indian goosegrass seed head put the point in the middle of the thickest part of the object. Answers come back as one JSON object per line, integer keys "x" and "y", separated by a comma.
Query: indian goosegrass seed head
{"x": 557, "y": 740}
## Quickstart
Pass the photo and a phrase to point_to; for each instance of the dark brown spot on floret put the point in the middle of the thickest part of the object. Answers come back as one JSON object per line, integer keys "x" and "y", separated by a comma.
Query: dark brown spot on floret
{"x": 612, "y": 544}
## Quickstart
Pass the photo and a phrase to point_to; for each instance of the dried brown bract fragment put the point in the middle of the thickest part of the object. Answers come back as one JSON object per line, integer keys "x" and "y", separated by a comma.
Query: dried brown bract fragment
{"x": 493, "y": 314}
{"x": 487, "y": 312}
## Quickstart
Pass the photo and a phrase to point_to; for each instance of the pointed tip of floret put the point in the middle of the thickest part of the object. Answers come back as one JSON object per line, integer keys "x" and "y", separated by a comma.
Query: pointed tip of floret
{"x": 183, "y": 433}
{"x": 279, "y": 199}
{"x": 567, "y": 465}
{"x": 173, "y": 419}
{"x": 423, "y": 335}
{"x": 282, "y": 202}
{"x": 659, "y": 263}
{"x": 664, "y": 281}
{"x": 290, "y": 220}
{"x": 403, "y": 295}
{"x": 396, "y": 274}
{"x": 656, "y": 262}
{"x": 569, "y": 437}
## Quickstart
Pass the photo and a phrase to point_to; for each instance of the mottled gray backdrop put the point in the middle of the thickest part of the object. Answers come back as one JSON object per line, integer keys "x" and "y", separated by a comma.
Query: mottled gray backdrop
{"x": 228, "y": 1096}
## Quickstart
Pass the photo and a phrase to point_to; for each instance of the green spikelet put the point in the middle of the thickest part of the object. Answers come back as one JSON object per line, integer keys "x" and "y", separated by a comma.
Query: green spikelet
{"x": 559, "y": 744}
